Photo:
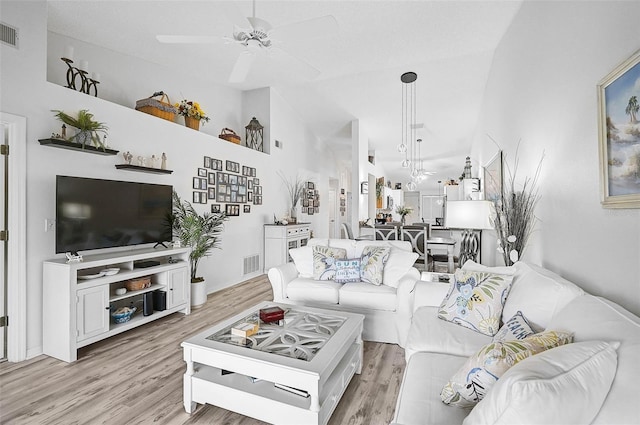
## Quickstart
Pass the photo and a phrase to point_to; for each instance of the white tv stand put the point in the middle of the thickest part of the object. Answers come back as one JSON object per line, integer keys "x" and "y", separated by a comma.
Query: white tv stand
{"x": 77, "y": 312}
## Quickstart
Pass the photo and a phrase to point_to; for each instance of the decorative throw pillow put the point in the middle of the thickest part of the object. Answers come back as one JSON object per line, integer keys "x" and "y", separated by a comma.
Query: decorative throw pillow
{"x": 565, "y": 385}
{"x": 515, "y": 328}
{"x": 475, "y": 300}
{"x": 348, "y": 270}
{"x": 481, "y": 371}
{"x": 324, "y": 261}
{"x": 372, "y": 265}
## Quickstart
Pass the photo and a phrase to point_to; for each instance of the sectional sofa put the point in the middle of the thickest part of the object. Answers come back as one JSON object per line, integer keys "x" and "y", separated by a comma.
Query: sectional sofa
{"x": 591, "y": 380}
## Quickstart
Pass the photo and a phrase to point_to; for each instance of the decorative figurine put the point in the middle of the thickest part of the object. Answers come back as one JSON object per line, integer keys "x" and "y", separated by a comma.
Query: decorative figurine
{"x": 64, "y": 132}
{"x": 127, "y": 157}
{"x": 140, "y": 160}
{"x": 154, "y": 161}
{"x": 163, "y": 164}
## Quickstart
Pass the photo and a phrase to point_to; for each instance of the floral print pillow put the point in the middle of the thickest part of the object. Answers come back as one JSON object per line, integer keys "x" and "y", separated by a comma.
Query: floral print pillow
{"x": 324, "y": 261}
{"x": 372, "y": 263}
{"x": 482, "y": 370}
{"x": 475, "y": 300}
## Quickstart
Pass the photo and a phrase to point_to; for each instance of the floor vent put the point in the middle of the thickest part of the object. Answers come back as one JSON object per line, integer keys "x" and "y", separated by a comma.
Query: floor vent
{"x": 8, "y": 35}
{"x": 251, "y": 264}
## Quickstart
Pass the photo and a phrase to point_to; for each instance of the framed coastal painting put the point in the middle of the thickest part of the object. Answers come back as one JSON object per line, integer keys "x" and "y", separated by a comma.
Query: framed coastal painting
{"x": 619, "y": 135}
{"x": 493, "y": 177}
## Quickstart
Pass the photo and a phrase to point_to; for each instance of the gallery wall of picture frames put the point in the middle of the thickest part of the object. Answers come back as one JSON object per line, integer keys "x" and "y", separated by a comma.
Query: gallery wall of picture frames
{"x": 311, "y": 200}
{"x": 229, "y": 183}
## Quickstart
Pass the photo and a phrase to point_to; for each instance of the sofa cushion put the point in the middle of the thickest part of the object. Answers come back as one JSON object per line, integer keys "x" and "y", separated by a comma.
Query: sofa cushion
{"x": 477, "y": 267}
{"x": 303, "y": 259}
{"x": 401, "y": 245}
{"x": 475, "y": 300}
{"x": 429, "y": 333}
{"x": 398, "y": 265}
{"x": 418, "y": 400}
{"x": 564, "y": 385}
{"x": 305, "y": 289}
{"x": 515, "y": 328}
{"x": 348, "y": 270}
{"x": 594, "y": 318}
{"x": 324, "y": 261}
{"x": 538, "y": 293}
{"x": 348, "y": 245}
{"x": 365, "y": 295}
{"x": 374, "y": 259}
{"x": 482, "y": 370}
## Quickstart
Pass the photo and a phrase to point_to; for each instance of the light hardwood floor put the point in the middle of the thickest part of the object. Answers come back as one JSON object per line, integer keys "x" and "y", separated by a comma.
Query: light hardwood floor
{"x": 136, "y": 377}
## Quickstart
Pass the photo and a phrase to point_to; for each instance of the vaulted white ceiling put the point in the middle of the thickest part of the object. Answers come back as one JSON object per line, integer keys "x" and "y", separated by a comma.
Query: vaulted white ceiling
{"x": 449, "y": 44}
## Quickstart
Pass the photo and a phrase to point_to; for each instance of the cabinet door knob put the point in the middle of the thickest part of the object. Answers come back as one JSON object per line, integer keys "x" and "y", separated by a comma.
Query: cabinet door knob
{"x": 106, "y": 308}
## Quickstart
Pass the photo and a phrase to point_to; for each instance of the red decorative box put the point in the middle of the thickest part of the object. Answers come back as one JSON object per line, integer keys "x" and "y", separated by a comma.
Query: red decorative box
{"x": 271, "y": 314}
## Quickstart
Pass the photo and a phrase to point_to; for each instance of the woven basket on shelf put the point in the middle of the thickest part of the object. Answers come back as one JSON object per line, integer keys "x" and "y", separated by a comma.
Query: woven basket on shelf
{"x": 230, "y": 136}
{"x": 158, "y": 107}
{"x": 138, "y": 283}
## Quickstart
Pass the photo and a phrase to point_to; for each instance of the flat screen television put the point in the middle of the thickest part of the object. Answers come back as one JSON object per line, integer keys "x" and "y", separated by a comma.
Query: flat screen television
{"x": 94, "y": 213}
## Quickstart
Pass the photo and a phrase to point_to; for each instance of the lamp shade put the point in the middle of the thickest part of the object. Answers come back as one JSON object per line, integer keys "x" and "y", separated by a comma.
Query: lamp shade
{"x": 468, "y": 214}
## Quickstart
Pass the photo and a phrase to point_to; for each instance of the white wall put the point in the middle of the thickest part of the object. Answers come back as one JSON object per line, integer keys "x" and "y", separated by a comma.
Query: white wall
{"x": 24, "y": 91}
{"x": 542, "y": 90}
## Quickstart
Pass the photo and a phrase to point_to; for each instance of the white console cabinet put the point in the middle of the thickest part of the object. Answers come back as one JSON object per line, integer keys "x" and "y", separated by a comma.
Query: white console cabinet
{"x": 278, "y": 239}
{"x": 77, "y": 305}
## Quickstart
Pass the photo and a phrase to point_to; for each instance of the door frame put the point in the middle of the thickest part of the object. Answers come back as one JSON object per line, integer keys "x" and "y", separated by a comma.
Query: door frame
{"x": 17, "y": 216}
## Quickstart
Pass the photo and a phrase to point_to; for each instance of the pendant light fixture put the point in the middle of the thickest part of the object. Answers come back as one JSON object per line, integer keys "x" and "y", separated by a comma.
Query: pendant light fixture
{"x": 408, "y": 144}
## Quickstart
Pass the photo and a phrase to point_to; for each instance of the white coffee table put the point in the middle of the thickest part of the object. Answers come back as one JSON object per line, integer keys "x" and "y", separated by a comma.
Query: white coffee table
{"x": 316, "y": 351}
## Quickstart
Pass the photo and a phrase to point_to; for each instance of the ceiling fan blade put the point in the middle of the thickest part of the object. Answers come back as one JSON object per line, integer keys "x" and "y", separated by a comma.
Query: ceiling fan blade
{"x": 299, "y": 66}
{"x": 234, "y": 14}
{"x": 241, "y": 67}
{"x": 324, "y": 26}
{"x": 189, "y": 39}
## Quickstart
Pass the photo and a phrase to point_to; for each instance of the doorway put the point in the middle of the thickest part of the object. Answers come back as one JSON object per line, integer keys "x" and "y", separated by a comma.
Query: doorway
{"x": 13, "y": 291}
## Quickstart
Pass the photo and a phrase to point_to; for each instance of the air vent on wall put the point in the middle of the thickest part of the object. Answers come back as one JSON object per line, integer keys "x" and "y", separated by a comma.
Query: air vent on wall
{"x": 278, "y": 144}
{"x": 251, "y": 264}
{"x": 8, "y": 35}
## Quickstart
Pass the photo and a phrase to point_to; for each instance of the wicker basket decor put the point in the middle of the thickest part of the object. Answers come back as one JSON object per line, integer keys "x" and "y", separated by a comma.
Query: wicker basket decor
{"x": 230, "y": 136}
{"x": 161, "y": 108}
{"x": 138, "y": 283}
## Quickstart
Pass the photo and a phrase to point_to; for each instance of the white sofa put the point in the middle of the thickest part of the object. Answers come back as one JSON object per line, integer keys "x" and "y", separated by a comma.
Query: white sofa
{"x": 387, "y": 308}
{"x": 544, "y": 388}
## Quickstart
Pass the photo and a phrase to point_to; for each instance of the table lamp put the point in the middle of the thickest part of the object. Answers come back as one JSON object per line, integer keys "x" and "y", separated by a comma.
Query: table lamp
{"x": 472, "y": 217}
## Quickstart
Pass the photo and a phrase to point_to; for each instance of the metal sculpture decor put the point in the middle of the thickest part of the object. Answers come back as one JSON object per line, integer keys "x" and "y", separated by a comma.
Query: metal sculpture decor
{"x": 87, "y": 84}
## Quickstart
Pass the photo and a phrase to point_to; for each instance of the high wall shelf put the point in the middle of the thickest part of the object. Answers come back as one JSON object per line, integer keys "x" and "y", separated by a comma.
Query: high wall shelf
{"x": 65, "y": 144}
{"x": 77, "y": 309}
{"x": 142, "y": 169}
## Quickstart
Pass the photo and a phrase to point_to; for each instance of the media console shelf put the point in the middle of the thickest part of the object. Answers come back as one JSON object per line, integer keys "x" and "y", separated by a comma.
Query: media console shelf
{"x": 65, "y": 144}
{"x": 77, "y": 307}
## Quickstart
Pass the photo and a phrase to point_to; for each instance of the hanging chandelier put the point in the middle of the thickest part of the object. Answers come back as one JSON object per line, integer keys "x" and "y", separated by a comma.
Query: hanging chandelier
{"x": 411, "y": 144}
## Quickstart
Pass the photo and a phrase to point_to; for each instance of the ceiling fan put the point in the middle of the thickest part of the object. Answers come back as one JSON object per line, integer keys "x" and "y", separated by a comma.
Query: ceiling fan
{"x": 258, "y": 36}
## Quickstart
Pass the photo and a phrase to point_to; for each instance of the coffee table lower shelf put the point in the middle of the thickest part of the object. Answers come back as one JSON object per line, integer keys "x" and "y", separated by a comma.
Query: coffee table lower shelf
{"x": 262, "y": 400}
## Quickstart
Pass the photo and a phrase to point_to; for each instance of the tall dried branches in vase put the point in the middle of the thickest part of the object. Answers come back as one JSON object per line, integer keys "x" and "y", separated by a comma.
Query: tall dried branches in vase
{"x": 515, "y": 219}
{"x": 295, "y": 187}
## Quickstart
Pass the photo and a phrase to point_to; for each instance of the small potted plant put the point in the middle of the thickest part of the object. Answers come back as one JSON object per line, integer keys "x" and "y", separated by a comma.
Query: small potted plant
{"x": 88, "y": 128}
{"x": 192, "y": 113}
{"x": 199, "y": 232}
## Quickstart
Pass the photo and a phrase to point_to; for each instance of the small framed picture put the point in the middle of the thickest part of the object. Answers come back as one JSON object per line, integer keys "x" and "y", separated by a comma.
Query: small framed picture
{"x": 196, "y": 197}
{"x": 247, "y": 208}
{"x": 203, "y": 197}
{"x": 202, "y": 172}
{"x": 249, "y": 196}
{"x": 215, "y": 208}
{"x": 232, "y": 210}
{"x": 207, "y": 162}
{"x": 212, "y": 178}
{"x": 203, "y": 184}
{"x": 250, "y": 185}
{"x": 228, "y": 165}
{"x": 257, "y": 190}
{"x": 196, "y": 183}
{"x": 253, "y": 172}
{"x": 211, "y": 194}
{"x": 311, "y": 185}
{"x": 256, "y": 181}
{"x": 233, "y": 179}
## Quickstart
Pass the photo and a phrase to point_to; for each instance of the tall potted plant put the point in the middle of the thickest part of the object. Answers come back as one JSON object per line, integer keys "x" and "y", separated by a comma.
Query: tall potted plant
{"x": 199, "y": 232}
